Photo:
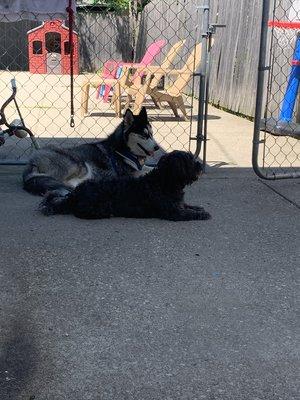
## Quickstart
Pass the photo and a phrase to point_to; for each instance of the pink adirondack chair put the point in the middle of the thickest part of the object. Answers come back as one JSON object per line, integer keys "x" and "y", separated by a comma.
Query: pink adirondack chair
{"x": 113, "y": 69}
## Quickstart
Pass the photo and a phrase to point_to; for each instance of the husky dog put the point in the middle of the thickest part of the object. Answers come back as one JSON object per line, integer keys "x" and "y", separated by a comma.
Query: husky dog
{"x": 159, "y": 194}
{"x": 121, "y": 154}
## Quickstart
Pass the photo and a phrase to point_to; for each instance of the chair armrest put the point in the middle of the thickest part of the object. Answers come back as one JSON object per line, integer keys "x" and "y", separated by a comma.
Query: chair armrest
{"x": 156, "y": 69}
{"x": 97, "y": 81}
{"x": 131, "y": 65}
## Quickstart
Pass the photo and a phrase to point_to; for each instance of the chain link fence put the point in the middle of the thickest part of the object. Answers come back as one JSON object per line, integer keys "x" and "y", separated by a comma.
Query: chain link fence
{"x": 145, "y": 56}
{"x": 276, "y": 141}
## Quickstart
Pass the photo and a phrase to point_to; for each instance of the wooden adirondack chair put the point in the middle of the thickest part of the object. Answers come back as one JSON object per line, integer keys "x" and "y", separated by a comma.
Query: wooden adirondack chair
{"x": 116, "y": 84}
{"x": 136, "y": 86}
{"x": 127, "y": 82}
{"x": 174, "y": 94}
{"x": 111, "y": 68}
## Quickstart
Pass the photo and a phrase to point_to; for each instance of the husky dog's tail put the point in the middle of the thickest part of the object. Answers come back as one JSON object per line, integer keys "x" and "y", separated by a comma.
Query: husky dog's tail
{"x": 56, "y": 203}
{"x": 39, "y": 184}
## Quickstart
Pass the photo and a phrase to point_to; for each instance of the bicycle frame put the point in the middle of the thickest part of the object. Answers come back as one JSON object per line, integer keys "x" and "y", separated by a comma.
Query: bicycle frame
{"x": 12, "y": 129}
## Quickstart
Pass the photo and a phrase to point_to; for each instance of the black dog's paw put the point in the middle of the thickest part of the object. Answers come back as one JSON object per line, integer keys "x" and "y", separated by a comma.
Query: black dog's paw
{"x": 43, "y": 208}
{"x": 195, "y": 208}
{"x": 204, "y": 215}
{"x": 54, "y": 203}
{"x": 197, "y": 212}
{"x": 187, "y": 214}
{"x": 47, "y": 206}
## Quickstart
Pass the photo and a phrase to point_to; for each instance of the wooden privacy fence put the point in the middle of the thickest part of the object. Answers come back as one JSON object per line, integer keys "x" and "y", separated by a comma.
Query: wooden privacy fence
{"x": 234, "y": 57}
{"x": 235, "y": 54}
{"x": 104, "y": 36}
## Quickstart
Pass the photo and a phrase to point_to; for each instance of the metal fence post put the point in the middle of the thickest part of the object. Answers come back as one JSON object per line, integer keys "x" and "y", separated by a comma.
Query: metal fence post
{"x": 202, "y": 73}
{"x": 260, "y": 86}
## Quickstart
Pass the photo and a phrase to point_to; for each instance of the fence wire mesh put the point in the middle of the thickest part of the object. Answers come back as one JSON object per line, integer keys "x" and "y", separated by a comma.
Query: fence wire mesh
{"x": 279, "y": 150}
{"x": 144, "y": 56}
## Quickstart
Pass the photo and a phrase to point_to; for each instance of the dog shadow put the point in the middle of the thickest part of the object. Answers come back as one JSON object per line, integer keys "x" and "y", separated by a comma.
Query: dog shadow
{"x": 172, "y": 118}
{"x": 100, "y": 114}
{"x": 216, "y": 164}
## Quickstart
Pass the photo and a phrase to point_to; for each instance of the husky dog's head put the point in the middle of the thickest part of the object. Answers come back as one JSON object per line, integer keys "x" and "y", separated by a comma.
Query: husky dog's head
{"x": 138, "y": 134}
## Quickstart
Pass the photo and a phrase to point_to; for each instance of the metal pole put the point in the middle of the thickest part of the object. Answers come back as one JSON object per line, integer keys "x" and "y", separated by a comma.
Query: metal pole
{"x": 202, "y": 77}
{"x": 260, "y": 86}
{"x": 206, "y": 105}
{"x": 259, "y": 100}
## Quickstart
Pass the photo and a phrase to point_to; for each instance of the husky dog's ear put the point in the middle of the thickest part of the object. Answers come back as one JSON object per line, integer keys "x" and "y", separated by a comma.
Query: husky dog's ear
{"x": 128, "y": 118}
{"x": 143, "y": 115}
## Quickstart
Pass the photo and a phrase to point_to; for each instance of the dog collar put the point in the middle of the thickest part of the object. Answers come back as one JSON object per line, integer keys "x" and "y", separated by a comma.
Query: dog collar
{"x": 132, "y": 160}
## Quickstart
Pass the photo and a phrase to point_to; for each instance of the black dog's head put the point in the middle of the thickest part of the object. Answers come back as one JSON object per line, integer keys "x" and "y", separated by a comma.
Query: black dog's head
{"x": 179, "y": 168}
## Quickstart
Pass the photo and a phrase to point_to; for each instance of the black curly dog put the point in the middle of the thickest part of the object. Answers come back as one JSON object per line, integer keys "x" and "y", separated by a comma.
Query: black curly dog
{"x": 159, "y": 194}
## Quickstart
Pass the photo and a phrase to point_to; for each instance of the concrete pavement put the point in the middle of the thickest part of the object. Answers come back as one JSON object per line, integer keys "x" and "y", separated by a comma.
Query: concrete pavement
{"x": 153, "y": 310}
{"x": 133, "y": 309}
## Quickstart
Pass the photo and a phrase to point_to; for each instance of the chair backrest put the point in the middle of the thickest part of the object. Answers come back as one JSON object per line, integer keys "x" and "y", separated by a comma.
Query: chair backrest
{"x": 152, "y": 51}
{"x": 109, "y": 69}
{"x": 187, "y": 71}
{"x": 125, "y": 78}
{"x": 166, "y": 64}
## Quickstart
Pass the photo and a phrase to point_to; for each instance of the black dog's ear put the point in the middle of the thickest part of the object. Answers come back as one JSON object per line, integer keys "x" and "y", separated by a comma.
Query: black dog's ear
{"x": 128, "y": 118}
{"x": 143, "y": 115}
{"x": 175, "y": 167}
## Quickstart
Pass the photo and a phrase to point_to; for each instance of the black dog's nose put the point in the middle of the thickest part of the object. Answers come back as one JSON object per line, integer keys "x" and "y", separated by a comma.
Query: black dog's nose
{"x": 156, "y": 148}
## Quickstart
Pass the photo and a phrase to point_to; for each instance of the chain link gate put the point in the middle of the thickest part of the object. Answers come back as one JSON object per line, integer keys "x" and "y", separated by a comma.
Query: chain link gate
{"x": 155, "y": 47}
{"x": 276, "y": 145}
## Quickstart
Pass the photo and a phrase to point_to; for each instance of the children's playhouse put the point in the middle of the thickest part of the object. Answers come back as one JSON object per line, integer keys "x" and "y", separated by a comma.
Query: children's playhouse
{"x": 49, "y": 49}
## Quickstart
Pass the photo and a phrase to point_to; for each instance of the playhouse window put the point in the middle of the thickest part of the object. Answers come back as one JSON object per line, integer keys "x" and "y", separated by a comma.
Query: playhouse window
{"x": 67, "y": 47}
{"x": 53, "y": 42}
{"x": 37, "y": 47}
